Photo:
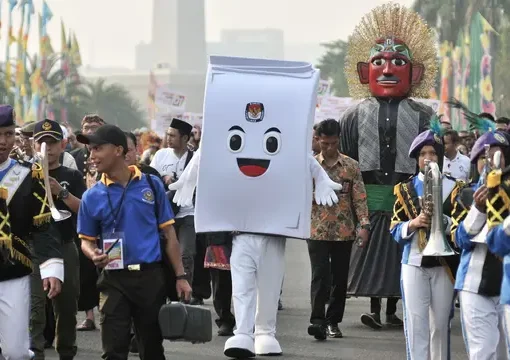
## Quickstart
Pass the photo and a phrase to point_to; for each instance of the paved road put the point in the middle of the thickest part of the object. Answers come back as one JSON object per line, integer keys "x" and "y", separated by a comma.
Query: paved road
{"x": 359, "y": 342}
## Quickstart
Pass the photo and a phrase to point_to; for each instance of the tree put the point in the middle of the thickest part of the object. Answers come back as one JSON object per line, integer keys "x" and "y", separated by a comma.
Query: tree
{"x": 112, "y": 102}
{"x": 448, "y": 17}
{"x": 331, "y": 65}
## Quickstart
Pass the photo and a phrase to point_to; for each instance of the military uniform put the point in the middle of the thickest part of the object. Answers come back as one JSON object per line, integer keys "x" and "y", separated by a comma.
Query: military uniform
{"x": 25, "y": 218}
{"x": 65, "y": 306}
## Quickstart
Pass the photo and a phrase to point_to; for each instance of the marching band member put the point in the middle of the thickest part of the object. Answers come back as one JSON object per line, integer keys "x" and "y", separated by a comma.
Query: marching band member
{"x": 498, "y": 238}
{"x": 426, "y": 281}
{"x": 25, "y": 218}
{"x": 479, "y": 275}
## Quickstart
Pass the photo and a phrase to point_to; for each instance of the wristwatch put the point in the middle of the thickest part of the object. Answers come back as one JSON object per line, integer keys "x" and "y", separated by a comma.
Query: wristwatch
{"x": 366, "y": 227}
{"x": 63, "y": 194}
{"x": 181, "y": 277}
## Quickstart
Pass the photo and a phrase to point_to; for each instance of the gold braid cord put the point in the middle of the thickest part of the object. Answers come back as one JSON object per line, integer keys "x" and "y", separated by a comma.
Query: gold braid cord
{"x": 459, "y": 212}
{"x": 498, "y": 201}
{"x": 43, "y": 214}
{"x": 385, "y": 21}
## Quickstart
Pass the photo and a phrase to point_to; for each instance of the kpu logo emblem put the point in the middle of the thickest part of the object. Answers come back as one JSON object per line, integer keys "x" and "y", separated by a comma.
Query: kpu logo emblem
{"x": 254, "y": 112}
{"x": 148, "y": 196}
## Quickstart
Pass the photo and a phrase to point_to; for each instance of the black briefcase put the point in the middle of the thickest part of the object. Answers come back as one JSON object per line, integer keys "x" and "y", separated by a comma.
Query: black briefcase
{"x": 189, "y": 323}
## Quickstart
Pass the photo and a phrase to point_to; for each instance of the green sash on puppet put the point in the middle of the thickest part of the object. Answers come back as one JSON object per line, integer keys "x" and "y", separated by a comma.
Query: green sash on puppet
{"x": 380, "y": 197}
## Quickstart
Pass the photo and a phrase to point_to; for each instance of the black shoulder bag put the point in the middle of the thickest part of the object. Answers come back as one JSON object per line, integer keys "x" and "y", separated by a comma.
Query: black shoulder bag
{"x": 169, "y": 272}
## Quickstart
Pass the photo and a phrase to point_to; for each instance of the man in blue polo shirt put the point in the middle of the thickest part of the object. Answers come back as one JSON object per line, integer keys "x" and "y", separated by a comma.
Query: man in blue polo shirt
{"x": 126, "y": 210}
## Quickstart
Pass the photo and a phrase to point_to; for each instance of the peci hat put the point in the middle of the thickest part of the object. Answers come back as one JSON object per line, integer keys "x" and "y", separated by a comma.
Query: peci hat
{"x": 49, "y": 128}
{"x": 106, "y": 134}
{"x": 7, "y": 116}
{"x": 183, "y": 127}
{"x": 490, "y": 138}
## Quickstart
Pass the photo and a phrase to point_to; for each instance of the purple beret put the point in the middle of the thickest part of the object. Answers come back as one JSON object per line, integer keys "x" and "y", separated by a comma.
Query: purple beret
{"x": 7, "y": 117}
{"x": 495, "y": 138}
{"x": 427, "y": 137}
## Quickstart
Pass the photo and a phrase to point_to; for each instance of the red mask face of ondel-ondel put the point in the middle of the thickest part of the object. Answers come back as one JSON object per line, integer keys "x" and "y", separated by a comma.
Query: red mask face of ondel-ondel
{"x": 390, "y": 71}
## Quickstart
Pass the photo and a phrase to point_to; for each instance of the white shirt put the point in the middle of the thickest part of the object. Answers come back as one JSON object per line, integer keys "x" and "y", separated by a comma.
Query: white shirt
{"x": 69, "y": 161}
{"x": 458, "y": 168}
{"x": 167, "y": 163}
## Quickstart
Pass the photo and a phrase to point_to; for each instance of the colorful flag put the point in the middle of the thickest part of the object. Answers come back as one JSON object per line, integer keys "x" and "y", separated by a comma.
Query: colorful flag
{"x": 480, "y": 84}
{"x": 11, "y": 39}
{"x": 445, "y": 53}
{"x": 75, "y": 52}
{"x": 456, "y": 116}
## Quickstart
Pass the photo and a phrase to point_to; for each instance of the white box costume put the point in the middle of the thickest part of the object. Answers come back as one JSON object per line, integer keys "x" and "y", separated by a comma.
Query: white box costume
{"x": 253, "y": 174}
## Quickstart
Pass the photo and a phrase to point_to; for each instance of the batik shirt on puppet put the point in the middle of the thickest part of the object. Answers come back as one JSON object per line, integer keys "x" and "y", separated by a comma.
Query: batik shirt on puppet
{"x": 407, "y": 207}
{"x": 23, "y": 210}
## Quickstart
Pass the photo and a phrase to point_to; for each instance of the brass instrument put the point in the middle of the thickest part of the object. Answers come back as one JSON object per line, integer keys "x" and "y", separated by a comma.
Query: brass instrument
{"x": 487, "y": 164}
{"x": 18, "y": 154}
{"x": 437, "y": 244}
{"x": 57, "y": 215}
{"x": 481, "y": 237}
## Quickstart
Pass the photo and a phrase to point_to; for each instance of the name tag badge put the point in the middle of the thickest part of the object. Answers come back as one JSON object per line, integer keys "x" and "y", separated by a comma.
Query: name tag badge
{"x": 113, "y": 247}
{"x": 346, "y": 187}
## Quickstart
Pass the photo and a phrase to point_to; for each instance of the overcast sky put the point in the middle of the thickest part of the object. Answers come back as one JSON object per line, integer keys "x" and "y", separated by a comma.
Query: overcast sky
{"x": 108, "y": 30}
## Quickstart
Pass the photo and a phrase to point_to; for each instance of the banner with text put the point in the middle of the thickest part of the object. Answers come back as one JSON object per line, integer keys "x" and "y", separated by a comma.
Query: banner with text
{"x": 169, "y": 104}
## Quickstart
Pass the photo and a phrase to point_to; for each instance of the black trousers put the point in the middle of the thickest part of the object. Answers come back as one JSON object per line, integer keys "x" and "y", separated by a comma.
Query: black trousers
{"x": 330, "y": 269}
{"x": 222, "y": 296}
{"x": 391, "y": 305}
{"x": 201, "y": 276}
{"x": 126, "y": 296}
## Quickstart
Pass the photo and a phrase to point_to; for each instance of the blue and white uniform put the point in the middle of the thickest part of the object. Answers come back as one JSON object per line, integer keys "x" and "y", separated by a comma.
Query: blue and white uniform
{"x": 478, "y": 281}
{"x": 427, "y": 286}
{"x": 498, "y": 241}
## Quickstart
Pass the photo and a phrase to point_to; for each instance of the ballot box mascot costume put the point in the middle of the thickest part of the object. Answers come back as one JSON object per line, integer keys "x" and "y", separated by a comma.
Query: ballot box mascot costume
{"x": 254, "y": 175}
{"x": 391, "y": 57}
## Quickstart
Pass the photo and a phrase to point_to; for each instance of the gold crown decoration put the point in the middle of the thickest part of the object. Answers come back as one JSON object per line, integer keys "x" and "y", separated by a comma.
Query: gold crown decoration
{"x": 46, "y": 126}
{"x": 392, "y": 21}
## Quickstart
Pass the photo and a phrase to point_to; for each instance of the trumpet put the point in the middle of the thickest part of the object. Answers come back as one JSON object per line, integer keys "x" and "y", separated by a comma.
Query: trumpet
{"x": 57, "y": 215}
{"x": 437, "y": 244}
{"x": 481, "y": 237}
{"x": 18, "y": 154}
{"x": 487, "y": 164}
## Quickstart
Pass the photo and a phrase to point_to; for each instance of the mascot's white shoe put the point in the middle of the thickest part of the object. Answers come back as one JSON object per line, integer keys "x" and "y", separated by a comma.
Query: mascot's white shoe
{"x": 240, "y": 347}
{"x": 267, "y": 345}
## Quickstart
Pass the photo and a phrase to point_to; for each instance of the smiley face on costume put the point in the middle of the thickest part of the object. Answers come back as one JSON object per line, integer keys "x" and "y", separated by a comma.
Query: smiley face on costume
{"x": 390, "y": 71}
{"x": 270, "y": 143}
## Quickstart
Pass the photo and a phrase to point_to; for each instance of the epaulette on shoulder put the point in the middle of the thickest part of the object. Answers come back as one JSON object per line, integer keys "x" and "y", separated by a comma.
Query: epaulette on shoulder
{"x": 494, "y": 178}
{"x": 37, "y": 171}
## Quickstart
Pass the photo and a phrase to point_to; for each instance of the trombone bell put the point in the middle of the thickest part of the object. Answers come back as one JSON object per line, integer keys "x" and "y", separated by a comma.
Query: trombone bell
{"x": 57, "y": 215}
{"x": 437, "y": 244}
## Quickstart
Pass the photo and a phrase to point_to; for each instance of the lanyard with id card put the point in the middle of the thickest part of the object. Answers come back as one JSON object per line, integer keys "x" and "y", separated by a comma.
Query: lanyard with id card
{"x": 113, "y": 241}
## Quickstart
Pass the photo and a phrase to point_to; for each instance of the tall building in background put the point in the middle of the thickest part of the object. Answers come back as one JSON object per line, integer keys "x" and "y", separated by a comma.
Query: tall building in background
{"x": 257, "y": 43}
{"x": 178, "y": 37}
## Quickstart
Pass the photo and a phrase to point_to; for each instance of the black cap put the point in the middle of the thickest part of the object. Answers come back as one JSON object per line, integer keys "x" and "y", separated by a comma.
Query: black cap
{"x": 106, "y": 134}
{"x": 503, "y": 120}
{"x": 182, "y": 126}
{"x": 7, "y": 116}
{"x": 49, "y": 128}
